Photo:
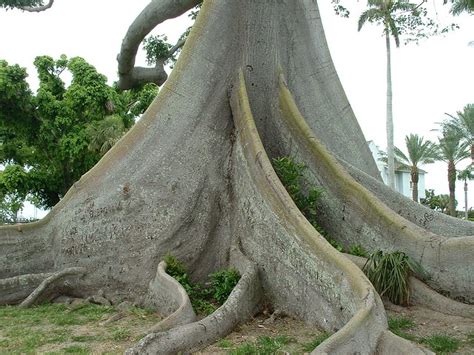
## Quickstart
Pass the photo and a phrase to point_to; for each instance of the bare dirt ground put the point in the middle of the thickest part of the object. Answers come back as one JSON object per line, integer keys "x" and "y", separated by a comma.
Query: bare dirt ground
{"x": 429, "y": 323}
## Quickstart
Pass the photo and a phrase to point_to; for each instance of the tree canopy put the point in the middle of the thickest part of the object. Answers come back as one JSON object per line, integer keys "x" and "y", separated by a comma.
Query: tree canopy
{"x": 51, "y": 138}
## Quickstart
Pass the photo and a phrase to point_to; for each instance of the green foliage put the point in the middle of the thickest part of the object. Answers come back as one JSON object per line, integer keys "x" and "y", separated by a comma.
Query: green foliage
{"x": 461, "y": 6}
{"x": 49, "y": 140}
{"x": 399, "y": 325}
{"x": 435, "y": 202}
{"x": 358, "y": 250}
{"x": 222, "y": 284}
{"x": 224, "y": 343}
{"x": 402, "y": 18}
{"x": 442, "y": 344}
{"x": 205, "y": 300}
{"x": 157, "y": 48}
{"x": 292, "y": 177}
{"x": 389, "y": 273}
{"x": 15, "y": 4}
{"x": 263, "y": 346}
{"x": 310, "y": 346}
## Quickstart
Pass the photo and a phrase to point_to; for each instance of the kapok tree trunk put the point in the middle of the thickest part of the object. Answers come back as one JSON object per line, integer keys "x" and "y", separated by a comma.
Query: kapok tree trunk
{"x": 193, "y": 178}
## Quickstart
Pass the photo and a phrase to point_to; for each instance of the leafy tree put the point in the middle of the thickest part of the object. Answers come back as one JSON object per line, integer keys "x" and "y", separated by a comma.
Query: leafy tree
{"x": 436, "y": 202}
{"x": 460, "y": 6}
{"x": 419, "y": 152}
{"x": 50, "y": 139}
{"x": 452, "y": 150}
{"x": 463, "y": 123}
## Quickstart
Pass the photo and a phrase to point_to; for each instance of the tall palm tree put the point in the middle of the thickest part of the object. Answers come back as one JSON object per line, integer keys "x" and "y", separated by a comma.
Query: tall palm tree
{"x": 384, "y": 12}
{"x": 419, "y": 152}
{"x": 460, "y": 6}
{"x": 452, "y": 150}
{"x": 465, "y": 175}
{"x": 463, "y": 123}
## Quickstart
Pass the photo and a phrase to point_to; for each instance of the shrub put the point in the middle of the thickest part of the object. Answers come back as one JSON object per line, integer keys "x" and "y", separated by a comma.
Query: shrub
{"x": 389, "y": 274}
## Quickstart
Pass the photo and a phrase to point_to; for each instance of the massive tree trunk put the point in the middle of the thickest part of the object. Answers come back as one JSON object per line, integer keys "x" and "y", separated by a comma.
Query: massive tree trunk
{"x": 193, "y": 178}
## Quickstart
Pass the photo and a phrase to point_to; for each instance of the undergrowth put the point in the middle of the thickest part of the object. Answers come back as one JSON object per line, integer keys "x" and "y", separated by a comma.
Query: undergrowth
{"x": 399, "y": 325}
{"x": 263, "y": 346}
{"x": 389, "y": 273}
{"x": 441, "y": 344}
{"x": 306, "y": 197}
{"x": 205, "y": 299}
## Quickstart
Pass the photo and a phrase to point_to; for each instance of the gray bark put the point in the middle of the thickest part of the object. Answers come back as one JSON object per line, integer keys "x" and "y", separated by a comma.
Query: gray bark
{"x": 194, "y": 177}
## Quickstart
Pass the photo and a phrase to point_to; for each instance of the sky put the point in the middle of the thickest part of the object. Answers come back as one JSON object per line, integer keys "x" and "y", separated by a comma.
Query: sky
{"x": 429, "y": 79}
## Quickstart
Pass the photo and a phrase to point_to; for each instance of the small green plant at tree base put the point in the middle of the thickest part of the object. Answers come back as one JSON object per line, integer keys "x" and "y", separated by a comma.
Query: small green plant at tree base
{"x": 398, "y": 326}
{"x": 310, "y": 346}
{"x": 358, "y": 250}
{"x": 205, "y": 300}
{"x": 442, "y": 344}
{"x": 224, "y": 343}
{"x": 292, "y": 177}
{"x": 389, "y": 273}
{"x": 263, "y": 346}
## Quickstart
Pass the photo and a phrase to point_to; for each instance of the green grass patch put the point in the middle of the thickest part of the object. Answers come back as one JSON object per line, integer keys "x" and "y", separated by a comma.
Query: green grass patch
{"x": 310, "y": 346}
{"x": 75, "y": 349}
{"x": 398, "y": 325}
{"x": 358, "y": 250}
{"x": 263, "y": 346}
{"x": 442, "y": 344}
{"x": 224, "y": 343}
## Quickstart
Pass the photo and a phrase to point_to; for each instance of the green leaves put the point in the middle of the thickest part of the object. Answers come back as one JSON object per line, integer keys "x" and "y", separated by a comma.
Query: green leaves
{"x": 61, "y": 132}
{"x": 389, "y": 273}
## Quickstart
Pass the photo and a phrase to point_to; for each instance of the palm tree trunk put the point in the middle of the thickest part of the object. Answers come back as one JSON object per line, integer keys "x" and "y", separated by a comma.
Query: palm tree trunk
{"x": 414, "y": 183}
{"x": 465, "y": 200}
{"x": 390, "y": 144}
{"x": 452, "y": 188}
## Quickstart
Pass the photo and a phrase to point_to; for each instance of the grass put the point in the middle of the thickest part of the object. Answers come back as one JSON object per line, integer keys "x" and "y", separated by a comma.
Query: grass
{"x": 310, "y": 346}
{"x": 56, "y": 326}
{"x": 205, "y": 299}
{"x": 263, "y": 346}
{"x": 358, "y": 250}
{"x": 398, "y": 326}
{"x": 442, "y": 344}
{"x": 389, "y": 273}
{"x": 224, "y": 343}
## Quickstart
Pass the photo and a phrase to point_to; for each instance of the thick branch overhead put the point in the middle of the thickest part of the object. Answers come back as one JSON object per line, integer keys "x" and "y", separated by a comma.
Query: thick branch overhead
{"x": 155, "y": 13}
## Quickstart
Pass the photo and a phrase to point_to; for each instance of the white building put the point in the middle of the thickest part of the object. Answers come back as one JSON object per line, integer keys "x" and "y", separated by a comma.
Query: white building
{"x": 402, "y": 174}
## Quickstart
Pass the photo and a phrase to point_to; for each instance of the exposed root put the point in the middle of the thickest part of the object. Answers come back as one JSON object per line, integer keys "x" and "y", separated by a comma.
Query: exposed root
{"x": 390, "y": 343}
{"x": 354, "y": 215}
{"x": 172, "y": 299}
{"x": 302, "y": 274}
{"x": 15, "y": 289}
{"x": 425, "y": 296}
{"x": 240, "y": 306}
{"x": 50, "y": 280}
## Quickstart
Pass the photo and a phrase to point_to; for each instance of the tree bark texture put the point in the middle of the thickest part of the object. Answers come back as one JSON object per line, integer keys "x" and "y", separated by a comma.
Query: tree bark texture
{"x": 414, "y": 181}
{"x": 193, "y": 178}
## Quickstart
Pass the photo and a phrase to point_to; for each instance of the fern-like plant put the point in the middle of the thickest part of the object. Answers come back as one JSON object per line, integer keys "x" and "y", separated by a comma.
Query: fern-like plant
{"x": 389, "y": 273}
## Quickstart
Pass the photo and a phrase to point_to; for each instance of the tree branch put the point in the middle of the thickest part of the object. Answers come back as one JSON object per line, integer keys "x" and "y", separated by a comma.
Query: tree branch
{"x": 155, "y": 13}
{"x": 37, "y": 8}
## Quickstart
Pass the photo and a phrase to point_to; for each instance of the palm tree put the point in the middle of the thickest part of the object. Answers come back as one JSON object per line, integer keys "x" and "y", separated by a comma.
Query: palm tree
{"x": 384, "y": 12}
{"x": 465, "y": 175}
{"x": 419, "y": 152}
{"x": 463, "y": 123}
{"x": 452, "y": 150}
{"x": 460, "y": 6}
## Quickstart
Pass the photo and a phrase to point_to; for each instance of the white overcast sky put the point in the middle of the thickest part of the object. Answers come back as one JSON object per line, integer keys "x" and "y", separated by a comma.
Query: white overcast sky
{"x": 429, "y": 79}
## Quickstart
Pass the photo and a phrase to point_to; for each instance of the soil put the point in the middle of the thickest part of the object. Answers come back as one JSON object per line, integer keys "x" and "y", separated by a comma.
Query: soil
{"x": 429, "y": 323}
